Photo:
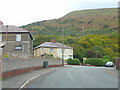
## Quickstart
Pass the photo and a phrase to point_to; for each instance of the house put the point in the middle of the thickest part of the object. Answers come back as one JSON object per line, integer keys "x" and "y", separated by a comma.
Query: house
{"x": 57, "y": 50}
{"x": 16, "y": 41}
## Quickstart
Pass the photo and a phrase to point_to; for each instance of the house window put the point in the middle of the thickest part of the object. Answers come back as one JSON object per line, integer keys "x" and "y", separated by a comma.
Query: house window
{"x": 0, "y": 37}
{"x": 18, "y": 47}
{"x": 51, "y": 49}
{"x": 18, "y": 37}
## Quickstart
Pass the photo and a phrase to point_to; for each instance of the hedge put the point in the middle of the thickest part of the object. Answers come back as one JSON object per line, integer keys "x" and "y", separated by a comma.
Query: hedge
{"x": 96, "y": 61}
{"x": 73, "y": 61}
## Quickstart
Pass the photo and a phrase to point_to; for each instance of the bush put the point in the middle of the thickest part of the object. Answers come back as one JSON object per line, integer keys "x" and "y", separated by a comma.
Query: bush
{"x": 73, "y": 61}
{"x": 106, "y": 59}
{"x": 105, "y": 26}
{"x": 95, "y": 61}
{"x": 51, "y": 55}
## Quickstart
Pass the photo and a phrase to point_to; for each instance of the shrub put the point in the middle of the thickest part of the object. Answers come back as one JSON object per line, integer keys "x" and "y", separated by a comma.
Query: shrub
{"x": 82, "y": 22}
{"x": 95, "y": 61}
{"x": 51, "y": 55}
{"x": 105, "y": 26}
{"x": 73, "y": 61}
{"x": 90, "y": 22}
{"x": 106, "y": 59}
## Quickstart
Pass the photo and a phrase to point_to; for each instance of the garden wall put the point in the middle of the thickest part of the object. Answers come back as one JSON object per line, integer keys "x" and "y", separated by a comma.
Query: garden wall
{"x": 16, "y": 66}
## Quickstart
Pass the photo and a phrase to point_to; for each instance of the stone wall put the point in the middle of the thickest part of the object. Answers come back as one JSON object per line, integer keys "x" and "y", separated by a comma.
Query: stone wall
{"x": 10, "y": 49}
{"x": 12, "y": 37}
{"x": 11, "y": 46}
{"x": 10, "y": 64}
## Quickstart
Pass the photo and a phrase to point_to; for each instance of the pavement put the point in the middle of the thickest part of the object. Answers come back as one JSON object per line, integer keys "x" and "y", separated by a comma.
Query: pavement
{"x": 19, "y": 80}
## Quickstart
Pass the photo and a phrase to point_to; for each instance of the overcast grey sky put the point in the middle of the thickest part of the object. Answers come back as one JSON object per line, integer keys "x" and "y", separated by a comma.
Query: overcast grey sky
{"x": 22, "y": 12}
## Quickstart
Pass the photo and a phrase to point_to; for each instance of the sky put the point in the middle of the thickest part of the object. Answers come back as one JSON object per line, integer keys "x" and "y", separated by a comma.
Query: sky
{"x": 23, "y": 12}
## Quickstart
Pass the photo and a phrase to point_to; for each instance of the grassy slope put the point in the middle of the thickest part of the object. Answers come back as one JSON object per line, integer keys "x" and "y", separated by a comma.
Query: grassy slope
{"x": 96, "y": 21}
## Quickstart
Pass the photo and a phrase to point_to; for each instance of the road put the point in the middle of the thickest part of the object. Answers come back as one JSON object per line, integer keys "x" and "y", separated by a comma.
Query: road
{"x": 77, "y": 77}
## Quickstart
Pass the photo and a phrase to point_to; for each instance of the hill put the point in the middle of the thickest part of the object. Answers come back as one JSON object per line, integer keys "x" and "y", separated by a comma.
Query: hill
{"x": 100, "y": 28}
{"x": 95, "y": 21}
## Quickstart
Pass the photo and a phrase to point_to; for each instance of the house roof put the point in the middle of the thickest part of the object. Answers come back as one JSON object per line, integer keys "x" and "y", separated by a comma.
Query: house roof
{"x": 2, "y": 44}
{"x": 11, "y": 29}
{"x": 53, "y": 45}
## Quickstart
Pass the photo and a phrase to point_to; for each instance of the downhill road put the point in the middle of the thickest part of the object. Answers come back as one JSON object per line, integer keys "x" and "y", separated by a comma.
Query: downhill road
{"x": 77, "y": 77}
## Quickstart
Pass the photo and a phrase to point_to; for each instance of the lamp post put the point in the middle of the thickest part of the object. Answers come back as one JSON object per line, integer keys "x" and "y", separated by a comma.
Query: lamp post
{"x": 62, "y": 47}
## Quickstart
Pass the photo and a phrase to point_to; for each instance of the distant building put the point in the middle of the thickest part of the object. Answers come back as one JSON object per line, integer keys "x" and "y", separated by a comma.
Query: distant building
{"x": 16, "y": 41}
{"x": 54, "y": 49}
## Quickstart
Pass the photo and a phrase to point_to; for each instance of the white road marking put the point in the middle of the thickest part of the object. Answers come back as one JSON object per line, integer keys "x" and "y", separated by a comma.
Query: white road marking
{"x": 30, "y": 80}
{"x": 34, "y": 78}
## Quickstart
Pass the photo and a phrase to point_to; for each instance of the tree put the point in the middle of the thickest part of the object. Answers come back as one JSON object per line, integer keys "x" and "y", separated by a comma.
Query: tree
{"x": 91, "y": 54}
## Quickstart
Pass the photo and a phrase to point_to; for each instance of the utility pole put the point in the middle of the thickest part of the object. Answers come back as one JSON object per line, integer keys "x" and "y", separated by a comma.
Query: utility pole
{"x": 6, "y": 38}
{"x": 1, "y": 28}
{"x": 6, "y": 34}
{"x": 83, "y": 30}
{"x": 62, "y": 47}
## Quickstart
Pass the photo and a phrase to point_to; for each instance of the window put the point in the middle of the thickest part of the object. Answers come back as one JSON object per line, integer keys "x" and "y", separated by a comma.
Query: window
{"x": 18, "y": 37}
{"x": 0, "y": 37}
{"x": 18, "y": 48}
{"x": 51, "y": 49}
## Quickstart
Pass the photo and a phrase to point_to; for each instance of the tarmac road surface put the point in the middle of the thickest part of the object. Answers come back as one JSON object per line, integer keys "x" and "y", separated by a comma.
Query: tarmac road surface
{"x": 77, "y": 77}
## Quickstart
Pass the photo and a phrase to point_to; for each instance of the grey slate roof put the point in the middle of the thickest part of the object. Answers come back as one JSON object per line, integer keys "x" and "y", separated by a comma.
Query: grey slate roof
{"x": 53, "y": 45}
{"x": 10, "y": 29}
{"x": 13, "y": 29}
{"x": 2, "y": 44}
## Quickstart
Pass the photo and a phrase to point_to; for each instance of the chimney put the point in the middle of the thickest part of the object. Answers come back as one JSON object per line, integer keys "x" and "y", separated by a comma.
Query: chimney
{"x": 1, "y": 23}
{"x": 53, "y": 41}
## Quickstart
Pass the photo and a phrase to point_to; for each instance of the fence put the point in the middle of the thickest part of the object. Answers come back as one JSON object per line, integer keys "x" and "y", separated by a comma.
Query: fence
{"x": 10, "y": 64}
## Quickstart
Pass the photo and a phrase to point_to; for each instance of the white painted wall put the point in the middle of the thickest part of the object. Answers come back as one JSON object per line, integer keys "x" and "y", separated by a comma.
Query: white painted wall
{"x": 67, "y": 53}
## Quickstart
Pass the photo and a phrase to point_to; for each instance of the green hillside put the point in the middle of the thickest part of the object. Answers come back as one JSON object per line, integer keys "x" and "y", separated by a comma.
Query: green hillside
{"x": 95, "y": 21}
{"x": 100, "y": 28}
